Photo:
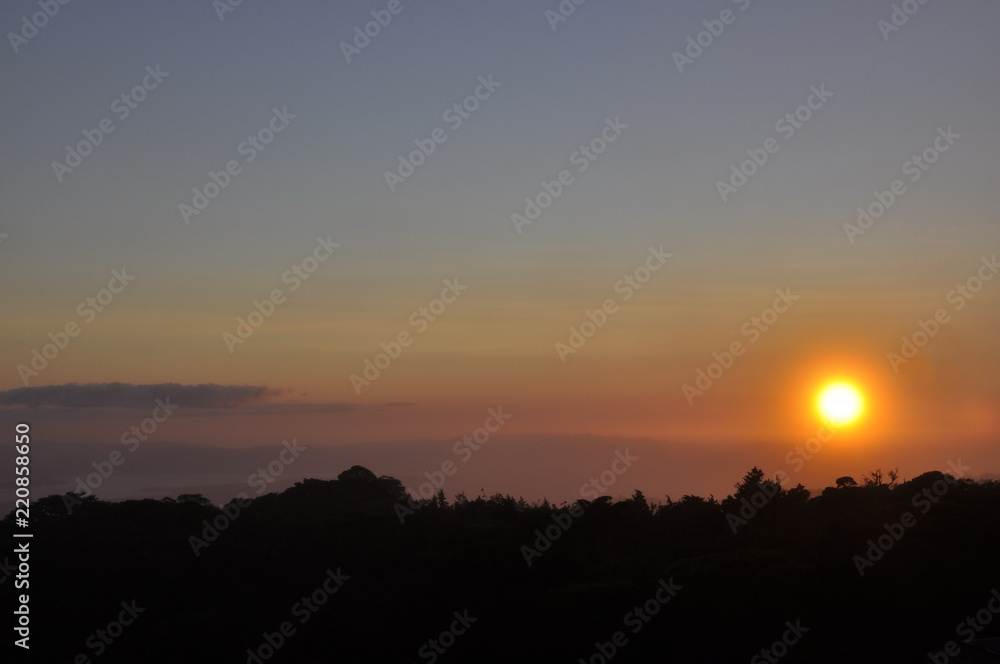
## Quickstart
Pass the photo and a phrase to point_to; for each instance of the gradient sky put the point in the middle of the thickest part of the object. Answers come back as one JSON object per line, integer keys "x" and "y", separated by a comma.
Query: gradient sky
{"x": 323, "y": 176}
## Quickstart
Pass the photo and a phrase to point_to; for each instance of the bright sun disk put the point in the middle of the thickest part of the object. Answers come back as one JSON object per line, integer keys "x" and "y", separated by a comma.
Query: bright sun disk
{"x": 840, "y": 403}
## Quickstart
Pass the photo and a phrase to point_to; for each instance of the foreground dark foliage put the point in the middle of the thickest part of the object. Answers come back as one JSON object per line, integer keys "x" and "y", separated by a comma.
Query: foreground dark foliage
{"x": 792, "y": 559}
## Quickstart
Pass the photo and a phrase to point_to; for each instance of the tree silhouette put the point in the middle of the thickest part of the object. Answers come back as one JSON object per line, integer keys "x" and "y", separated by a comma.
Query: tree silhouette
{"x": 195, "y": 498}
{"x": 794, "y": 558}
{"x": 877, "y": 478}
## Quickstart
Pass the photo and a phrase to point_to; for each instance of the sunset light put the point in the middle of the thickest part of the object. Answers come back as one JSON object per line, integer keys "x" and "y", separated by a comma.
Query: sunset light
{"x": 840, "y": 404}
{"x": 557, "y": 331}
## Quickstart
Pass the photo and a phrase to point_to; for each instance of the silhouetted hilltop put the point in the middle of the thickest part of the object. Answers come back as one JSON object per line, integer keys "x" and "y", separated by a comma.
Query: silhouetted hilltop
{"x": 355, "y": 570}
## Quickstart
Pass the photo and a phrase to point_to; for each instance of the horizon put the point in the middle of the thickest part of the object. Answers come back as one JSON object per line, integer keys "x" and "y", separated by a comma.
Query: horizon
{"x": 662, "y": 468}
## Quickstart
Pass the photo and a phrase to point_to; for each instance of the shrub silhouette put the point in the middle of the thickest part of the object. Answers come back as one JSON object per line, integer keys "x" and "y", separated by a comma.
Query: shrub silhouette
{"x": 792, "y": 561}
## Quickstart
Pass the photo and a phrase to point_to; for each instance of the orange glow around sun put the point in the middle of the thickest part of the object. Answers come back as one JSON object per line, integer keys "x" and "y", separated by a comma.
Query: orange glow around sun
{"x": 851, "y": 395}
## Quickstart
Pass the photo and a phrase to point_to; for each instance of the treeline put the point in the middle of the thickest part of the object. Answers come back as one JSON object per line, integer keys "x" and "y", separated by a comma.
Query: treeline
{"x": 355, "y": 570}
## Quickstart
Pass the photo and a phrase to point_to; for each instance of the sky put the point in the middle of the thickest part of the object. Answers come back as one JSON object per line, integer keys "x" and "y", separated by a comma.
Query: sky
{"x": 565, "y": 212}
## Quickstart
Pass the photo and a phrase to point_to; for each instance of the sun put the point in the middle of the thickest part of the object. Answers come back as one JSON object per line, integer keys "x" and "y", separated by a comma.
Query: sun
{"x": 840, "y": 403}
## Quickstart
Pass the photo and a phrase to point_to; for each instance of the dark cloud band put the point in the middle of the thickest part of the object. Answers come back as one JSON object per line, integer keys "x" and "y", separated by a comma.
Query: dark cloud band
{"x": 127, "y": 395}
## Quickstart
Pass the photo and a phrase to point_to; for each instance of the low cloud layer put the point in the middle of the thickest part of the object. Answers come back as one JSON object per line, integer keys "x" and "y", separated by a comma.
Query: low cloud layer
{"x": 127, "y": 395}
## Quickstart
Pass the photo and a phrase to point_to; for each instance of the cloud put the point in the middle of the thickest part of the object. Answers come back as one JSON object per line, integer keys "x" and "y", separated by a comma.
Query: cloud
{"x": 127, "y": 395}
